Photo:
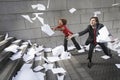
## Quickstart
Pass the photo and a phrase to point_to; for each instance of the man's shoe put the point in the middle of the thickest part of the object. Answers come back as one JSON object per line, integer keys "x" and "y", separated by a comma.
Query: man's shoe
{"x": 81, "y": 51}
{"x": 89, "y": 64}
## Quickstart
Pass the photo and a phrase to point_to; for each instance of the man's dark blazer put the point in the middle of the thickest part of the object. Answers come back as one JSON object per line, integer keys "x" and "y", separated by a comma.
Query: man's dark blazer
{"x": 89, "y": 30}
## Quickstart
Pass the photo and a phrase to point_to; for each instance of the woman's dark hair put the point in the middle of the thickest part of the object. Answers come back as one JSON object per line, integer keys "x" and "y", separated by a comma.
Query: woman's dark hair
{"x": 64, "y": 21}
{"x": 96, "y": 19}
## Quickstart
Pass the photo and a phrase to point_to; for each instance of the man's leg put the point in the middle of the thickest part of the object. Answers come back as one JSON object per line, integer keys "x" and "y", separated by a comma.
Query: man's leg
{"x": 91, "y": 48}
{"x": 105, "y": 49}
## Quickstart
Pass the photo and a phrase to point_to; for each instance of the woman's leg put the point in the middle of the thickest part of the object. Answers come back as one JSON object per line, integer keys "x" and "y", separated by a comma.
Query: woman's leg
{"x": 65, "y": 44}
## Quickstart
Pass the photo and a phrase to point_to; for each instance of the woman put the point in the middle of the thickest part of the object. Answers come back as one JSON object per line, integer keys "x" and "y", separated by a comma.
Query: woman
{"x": 63, "y": 28}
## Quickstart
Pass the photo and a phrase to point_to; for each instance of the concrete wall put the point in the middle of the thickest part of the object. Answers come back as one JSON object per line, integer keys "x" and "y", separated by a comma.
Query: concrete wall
{"x": 13, "y": 23}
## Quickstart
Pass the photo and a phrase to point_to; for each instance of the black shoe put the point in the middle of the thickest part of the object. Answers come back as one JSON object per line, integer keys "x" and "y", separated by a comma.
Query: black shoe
{"x": 89, "y": 64}
{"x": 110, "y": 55}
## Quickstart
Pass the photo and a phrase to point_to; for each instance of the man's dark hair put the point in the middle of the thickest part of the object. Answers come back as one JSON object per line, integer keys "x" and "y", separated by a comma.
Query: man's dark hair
{"x": 64, "y": 21}
{"x": 96, "y": 19}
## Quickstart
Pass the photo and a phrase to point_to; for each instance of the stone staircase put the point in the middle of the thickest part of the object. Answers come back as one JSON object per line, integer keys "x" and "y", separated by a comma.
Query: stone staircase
{"x": 9, "y": 68}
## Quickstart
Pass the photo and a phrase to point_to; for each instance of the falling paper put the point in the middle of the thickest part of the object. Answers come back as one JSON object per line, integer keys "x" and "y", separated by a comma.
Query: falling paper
{"x": 72, "y": 10}
{"x": 27, "y": 17}
{"x": 103, "y": 35}
{"x": 46, "y": 28}
{"x": 58, "y": 70}
{"x": 116, "y": 4}
{"x": 105, "y": 57}
{"x": 48, "y": 4}
{"x": 41, "y": 7}
{"x": 118, "y": 65}
{"x": 38, "y": 17}
{"x": 38, "y": 7}
{"x": 38, "y": 68}
{"x": 96, "y": 13}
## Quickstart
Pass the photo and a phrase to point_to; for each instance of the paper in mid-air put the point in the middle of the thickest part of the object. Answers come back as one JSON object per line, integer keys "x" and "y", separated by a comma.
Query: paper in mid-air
{"x": 27, "y": 17}
{"x": 72, "y": 10}
{"x": 38, "y": 7}
{"x": 96, "y": 13}
{"x": 46, "y": 28}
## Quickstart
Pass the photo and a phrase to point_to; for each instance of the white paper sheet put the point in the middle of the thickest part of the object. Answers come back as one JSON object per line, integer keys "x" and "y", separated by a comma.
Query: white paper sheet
{"x": 12, "y": 48}
{"x": 6, "y": 36}
{"x": 38, "y": 58}
{"x": 16, "y": 41}
{"x": 29, "y": 41}
{"x": 118, "y": 65}
{"x": 41, "y": 7}
{"x": 26, "y": 74}
{"x": 16, "y": 56}
{"x": 58, "y": 70}
{"x": 58, "y": 50}
{"x": 39, "y": 53}
{"x": 26, "y": 66}
{"x": 53, "y": 59}
{"x": 48, "y": 50}
{"x": 98, "y": 49}
{"x": 46, "y": 28}
{"x": 38, "y": 17}
{"x": 40, "y": 75}
{"x": 27, "y": 57}
{"x": 27, "y": 17}
{"x": 72, "y": 10}
{"x": 48, "y": 66}
{"x": 38, "y": 68}
{"x": 105, "y": 57}
{"x": 38, "y": 7}
{"x": 39, "y": 48}
{"x": 96, "y": 13}
{"x": 31, "y": 51}
{"x": 65, "y": 55}
{"x": 45, "y": 59}
{"x": 72, "y": 47}
{"x": 103, "y": 35}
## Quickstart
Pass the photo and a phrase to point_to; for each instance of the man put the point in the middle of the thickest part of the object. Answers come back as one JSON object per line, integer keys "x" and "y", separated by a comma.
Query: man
{"x": 93, "y": 29}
